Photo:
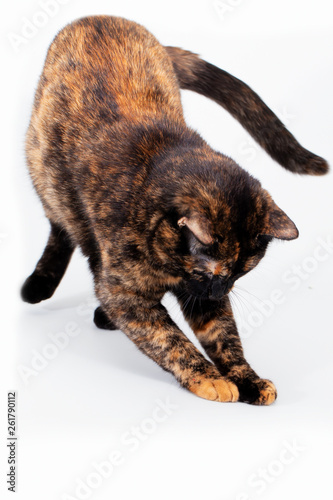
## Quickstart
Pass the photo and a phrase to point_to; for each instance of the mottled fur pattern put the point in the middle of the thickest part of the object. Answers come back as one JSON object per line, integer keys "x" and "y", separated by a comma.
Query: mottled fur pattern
{"x": 151, "y": 205}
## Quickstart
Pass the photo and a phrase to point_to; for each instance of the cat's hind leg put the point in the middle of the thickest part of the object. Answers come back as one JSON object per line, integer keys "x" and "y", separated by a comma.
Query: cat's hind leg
{"x": 51, "y": 267}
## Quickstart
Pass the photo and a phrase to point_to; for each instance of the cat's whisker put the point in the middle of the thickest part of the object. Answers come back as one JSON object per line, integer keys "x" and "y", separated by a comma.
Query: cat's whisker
{"x": 234, "y": 303}
{"x": 243, "y": 301}
{"x": 194, "y": 300}
{"x": 248, "y": 304}
{"x": 242, "y": 290}
{"x": 237, "y": 304}
{"x": 176, "y": 307}
{"x": 187, "y": 302}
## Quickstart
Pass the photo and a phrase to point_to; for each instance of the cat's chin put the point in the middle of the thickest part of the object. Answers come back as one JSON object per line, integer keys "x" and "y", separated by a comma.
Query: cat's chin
{"x": 205, "y": 297}
{"x": 208, "y": 297}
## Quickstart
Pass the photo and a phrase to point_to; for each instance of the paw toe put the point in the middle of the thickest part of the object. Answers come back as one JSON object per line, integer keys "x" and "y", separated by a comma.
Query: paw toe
{"x": 216, "y": 390}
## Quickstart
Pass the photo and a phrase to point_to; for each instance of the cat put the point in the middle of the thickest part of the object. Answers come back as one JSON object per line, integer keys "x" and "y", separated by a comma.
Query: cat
{"x": 150, "y": 204}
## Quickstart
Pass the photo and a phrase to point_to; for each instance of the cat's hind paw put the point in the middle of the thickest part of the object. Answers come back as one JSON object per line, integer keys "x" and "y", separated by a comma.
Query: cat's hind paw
{"x": 102, "y": 321}
{"x": 38, "y": 287}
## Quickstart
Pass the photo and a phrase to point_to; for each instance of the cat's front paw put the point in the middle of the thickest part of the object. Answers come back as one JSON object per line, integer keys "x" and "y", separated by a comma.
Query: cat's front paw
{"x": 218, "y": 389}
{"x": 268, "y": 393}
{"x": 257, "y": 392}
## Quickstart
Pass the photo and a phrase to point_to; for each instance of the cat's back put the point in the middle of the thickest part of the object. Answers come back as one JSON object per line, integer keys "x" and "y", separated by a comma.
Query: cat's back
{"x": 105, "y": 81}
{"x": 105, "y": 67}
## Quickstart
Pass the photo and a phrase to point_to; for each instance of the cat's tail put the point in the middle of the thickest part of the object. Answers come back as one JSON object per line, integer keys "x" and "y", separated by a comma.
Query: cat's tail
{"x": 246, "y": 106}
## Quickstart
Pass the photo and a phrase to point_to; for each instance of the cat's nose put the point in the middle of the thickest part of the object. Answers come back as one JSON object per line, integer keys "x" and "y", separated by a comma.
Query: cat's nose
{"x": 217, "y": 288}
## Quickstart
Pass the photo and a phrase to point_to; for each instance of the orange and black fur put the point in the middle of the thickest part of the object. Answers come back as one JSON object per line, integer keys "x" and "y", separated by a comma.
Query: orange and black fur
{"x": 150, "y": 204}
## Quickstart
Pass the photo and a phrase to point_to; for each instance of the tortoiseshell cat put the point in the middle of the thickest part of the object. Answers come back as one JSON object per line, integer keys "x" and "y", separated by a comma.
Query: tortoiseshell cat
{"x": 150, "y": 204}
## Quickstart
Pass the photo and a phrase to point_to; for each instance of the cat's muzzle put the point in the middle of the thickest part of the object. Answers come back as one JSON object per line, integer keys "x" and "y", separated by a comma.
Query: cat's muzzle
{"x": 209, "y": 288}
{"x": 218, "y": 288}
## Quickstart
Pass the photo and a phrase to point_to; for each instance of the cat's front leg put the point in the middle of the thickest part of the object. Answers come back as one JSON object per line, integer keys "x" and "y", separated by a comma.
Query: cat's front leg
{"x": 215, "y": 328}
{"x": 149, "y": 326}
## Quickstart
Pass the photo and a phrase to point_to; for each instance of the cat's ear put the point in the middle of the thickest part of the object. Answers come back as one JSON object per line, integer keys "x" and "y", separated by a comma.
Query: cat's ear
{"x": 200, "y": 226}
{"x": 279, "y": 225}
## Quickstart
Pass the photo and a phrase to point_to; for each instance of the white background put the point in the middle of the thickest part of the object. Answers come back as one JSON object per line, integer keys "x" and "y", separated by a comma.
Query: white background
{"x": 76, "y": 409}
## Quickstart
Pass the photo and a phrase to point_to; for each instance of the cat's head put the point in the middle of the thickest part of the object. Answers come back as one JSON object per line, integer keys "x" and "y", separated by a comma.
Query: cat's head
{"x": 224, "y": 220}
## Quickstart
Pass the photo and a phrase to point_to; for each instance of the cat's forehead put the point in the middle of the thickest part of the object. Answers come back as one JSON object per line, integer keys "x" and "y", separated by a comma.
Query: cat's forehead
{"x": 230, "y": 198}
